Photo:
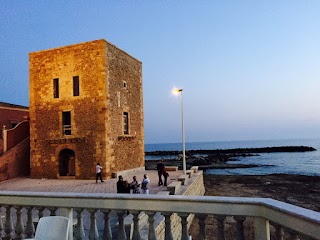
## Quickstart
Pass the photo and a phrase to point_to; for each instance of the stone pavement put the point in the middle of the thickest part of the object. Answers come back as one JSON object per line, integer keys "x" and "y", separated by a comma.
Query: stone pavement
{"x": 88, "y": 186}
{"x": 82, "y": 186}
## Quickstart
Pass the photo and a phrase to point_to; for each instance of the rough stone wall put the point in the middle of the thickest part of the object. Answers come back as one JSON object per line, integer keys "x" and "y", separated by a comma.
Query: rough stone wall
{"x": 15, "y": 162}
{"x": 125, "y": 151}
{"x": 196, "y": 188}
{"x": 87, "y": 110}
{"x": 9, "y": 115}
{"x": 95, "y": 117}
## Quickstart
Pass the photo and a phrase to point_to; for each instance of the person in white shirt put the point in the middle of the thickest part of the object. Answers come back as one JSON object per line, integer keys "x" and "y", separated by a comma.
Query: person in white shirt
{"x": 98, "y": 172}
{"x": 144, "y": 184}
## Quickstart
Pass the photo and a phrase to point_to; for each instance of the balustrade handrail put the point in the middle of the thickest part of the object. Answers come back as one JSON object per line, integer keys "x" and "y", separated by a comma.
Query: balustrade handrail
{"x": 300, "y": 219}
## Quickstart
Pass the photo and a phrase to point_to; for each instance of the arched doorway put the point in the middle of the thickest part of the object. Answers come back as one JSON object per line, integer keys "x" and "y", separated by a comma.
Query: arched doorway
{"x": 66, "y": 162}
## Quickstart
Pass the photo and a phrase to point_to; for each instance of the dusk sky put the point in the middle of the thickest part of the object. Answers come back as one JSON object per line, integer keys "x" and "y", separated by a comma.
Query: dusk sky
{"x": 249, "y": 69}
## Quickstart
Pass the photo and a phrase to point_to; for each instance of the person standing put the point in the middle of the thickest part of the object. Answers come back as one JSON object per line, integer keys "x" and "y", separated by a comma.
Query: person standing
{"x": 160, "y": 167}
{"x": 135, "y": 186}
{"x": 127, "y": 187}
{"x": 144, "y": 184}
{"x": 120, "y": 185}
{"x": 98, "y": 172}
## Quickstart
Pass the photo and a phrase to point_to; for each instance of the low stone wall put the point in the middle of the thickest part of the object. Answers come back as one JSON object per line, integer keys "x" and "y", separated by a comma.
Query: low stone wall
{"x": 15, "y": 162}
{"x": 127, "y": 174}
{"x": 195, "y": 187}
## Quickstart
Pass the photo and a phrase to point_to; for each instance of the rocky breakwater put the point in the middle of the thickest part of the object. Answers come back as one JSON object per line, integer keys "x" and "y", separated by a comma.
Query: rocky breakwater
{"x": 217, "y": 158}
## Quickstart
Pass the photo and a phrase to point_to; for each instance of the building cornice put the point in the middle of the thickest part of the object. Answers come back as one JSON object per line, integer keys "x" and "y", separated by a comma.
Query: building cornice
{"x": 10, "y": 106}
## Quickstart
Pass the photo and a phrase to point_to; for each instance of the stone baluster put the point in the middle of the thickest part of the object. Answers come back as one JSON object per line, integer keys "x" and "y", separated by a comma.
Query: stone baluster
{"x": 184, "y": 223}
{"x": 107, "y": 233}
{"x": 93, "y": 232}
{"x": 152, "y": 232}
{"x": 19, "y": 225}
{"x": 41, "y": 211}
{"x": 136, "y": 232}
{"x": 168, "y": 230}
{"x": 52, "y": 211}
{"x": 304, "y": 237}
{"x": 293, "y": 235}
{"x": 40, "y": 215}
{"x": 121, "y": 231}
{"x": 202, "y": 226}
{"x": 279, "y": 231}
{"x": 1, "y": 223}
{"x": 220, "y": 219}
{"x": 8, "y": 225}
{"x": 29, "y": 231}
{"x": 240, "y": 230}
{"x": 79, "y": 233}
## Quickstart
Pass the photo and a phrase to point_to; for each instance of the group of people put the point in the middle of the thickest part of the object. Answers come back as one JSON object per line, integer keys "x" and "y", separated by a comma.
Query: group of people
{"x": 125, "y": 187}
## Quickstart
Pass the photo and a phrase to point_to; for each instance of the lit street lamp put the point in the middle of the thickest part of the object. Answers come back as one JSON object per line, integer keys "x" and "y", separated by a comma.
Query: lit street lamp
{"x": 177, "y": 91}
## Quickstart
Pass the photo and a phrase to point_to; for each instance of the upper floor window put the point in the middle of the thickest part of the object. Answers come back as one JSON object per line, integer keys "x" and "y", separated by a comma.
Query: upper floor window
{"x": 56, "y": 87}
{"x": 76, "y": 87}
{"x": 124, "y": 84}
{"x": 125, "y": 123}
{"x": 66, "y": 123}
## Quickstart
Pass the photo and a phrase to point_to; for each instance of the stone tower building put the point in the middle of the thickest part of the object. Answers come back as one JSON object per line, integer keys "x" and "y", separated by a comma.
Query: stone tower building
{"x": 86, "y": 107}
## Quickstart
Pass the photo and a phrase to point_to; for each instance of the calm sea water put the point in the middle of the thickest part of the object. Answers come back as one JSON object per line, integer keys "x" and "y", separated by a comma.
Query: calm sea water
{"x": 306, "y": 163}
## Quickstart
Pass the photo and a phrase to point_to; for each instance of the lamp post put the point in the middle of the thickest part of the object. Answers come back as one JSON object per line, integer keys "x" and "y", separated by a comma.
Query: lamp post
{"x": 177, "y": 91}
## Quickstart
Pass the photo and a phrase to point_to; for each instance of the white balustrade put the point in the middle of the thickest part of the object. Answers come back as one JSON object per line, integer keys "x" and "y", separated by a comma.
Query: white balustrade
{"x": 93, "y": 212}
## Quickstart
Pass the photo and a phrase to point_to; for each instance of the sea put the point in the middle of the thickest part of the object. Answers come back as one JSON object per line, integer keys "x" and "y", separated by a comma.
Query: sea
{"x": 300, "y": 163}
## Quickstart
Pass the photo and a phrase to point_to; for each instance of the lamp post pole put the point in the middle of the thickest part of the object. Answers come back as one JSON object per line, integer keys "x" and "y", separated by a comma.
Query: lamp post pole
{"x": 182, "y": 129}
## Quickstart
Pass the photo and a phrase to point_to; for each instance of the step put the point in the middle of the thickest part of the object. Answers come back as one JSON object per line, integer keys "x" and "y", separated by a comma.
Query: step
{"x": 174, "y": 187}
{"x": 183, "y": 179}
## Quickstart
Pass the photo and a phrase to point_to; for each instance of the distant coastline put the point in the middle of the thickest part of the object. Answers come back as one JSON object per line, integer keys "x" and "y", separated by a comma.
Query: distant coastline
{"x": 221, "y": 159}
{"x": 305, "y": 163}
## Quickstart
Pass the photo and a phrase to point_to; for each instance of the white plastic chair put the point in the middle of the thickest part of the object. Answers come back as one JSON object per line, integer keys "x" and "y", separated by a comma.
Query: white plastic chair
{"x": 52, "y": 228}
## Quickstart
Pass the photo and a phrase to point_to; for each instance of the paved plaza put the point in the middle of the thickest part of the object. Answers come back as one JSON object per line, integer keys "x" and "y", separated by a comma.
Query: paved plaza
{"x": 82, "y": 186}
{"x": 89, "y": 186}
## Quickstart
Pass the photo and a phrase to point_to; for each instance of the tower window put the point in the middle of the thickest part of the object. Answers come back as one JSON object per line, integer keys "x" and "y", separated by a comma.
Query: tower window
{"x": 66, "y": 123}
{"x": 124, "y": 84}
{"x": 76, "y": 90}
{"x": 56, "y": 87}
{"x": 125, "y": 123}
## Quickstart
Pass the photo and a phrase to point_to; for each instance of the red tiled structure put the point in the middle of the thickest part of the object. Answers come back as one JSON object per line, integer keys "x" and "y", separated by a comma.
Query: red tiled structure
{"x": 14, "y": 141}
{"x": 10, "y": 116}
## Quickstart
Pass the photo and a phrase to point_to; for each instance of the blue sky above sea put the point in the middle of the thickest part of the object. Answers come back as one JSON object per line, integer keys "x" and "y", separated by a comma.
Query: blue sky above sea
{"x": 249, "y": 69}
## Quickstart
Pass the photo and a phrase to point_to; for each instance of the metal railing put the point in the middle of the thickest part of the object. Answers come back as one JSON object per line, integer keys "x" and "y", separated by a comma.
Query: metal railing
{"x": 104, "y": 216}
{"x": 66, "y": 129}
